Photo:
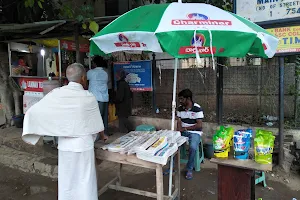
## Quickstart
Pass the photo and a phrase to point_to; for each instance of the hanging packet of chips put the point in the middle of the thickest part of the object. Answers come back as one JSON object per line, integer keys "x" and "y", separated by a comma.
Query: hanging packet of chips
{"x": 264, "y": 145}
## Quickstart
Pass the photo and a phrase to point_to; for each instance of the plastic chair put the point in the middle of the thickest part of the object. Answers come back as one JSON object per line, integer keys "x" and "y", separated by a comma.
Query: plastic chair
{"x": 199, "y": 157}
{"x": 261, "y": 178}
{"x": 145, "y": 127}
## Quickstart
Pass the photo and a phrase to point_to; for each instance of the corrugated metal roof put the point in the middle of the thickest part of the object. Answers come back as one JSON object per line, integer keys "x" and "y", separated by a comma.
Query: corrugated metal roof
{"x": 46, "y": 29}
{"x": 29, "y": 26}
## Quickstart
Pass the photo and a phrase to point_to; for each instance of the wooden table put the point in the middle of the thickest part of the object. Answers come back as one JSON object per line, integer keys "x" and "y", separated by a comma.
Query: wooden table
{"x": 236, "y": 178}
{"x": 116, "y": 183}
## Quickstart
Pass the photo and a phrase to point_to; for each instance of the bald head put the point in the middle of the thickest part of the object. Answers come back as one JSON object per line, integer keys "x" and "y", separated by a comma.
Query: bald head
{"x": 75, "y": 72}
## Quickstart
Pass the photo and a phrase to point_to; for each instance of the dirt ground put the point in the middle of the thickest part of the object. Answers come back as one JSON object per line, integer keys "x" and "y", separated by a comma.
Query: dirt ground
{"x": 16, "y": 185}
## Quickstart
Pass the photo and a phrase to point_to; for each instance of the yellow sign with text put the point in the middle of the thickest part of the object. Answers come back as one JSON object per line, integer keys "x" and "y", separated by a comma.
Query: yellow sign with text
{"x": 289, "y": 39}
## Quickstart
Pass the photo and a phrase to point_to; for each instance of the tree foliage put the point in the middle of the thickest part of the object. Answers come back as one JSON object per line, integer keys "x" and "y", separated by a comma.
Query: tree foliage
{"x": 223, "y": 4}
{"x": 28, "y": 11}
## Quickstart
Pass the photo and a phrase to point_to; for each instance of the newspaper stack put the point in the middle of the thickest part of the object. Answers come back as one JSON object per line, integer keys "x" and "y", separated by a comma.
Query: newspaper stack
{"x": 152, "y": 146}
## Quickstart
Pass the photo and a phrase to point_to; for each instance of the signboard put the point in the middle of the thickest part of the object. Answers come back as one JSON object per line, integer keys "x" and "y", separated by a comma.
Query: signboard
{"x": 267, "y": 10}
{"x": 289, "y": 39}
{"x": 71, "y": 46}
{"x": 31, "y": 84}
{"x": 138, "y": 74}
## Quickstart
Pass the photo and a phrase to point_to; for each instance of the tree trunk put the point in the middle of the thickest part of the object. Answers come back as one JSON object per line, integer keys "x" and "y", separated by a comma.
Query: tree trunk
{"x": 10, "y": 95}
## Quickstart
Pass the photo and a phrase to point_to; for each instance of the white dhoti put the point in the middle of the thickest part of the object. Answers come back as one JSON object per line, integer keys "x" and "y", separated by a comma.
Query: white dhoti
{"x": 77, "y": 175}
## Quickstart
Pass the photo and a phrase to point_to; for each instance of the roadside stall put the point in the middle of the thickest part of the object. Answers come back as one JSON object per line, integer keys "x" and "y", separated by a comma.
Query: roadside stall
{"x": 180, "y": 30}
{"x": 30, "y": 67}
{"x": 36, "y": 65}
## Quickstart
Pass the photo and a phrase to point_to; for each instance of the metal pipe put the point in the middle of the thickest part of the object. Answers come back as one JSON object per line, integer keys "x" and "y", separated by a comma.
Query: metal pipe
{"x": 174, "y": 95}
{"x": 281, "y": 109}
{"x": 173, "y": 123}
{"x": 44, "y": 69}
{"x": 9, "y": 59}
{"x": 59, "y": 60}
{"x": 90, "y": 62}
{"x": 153, "y": 82}
{"x": 77, "y": 43}
{"x": 220, "y": 92}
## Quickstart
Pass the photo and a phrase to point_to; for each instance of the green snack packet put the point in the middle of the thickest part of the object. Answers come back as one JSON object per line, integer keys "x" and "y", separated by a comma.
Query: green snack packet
{"x": 264, "y": 145}
{"x": 222, "y": 138}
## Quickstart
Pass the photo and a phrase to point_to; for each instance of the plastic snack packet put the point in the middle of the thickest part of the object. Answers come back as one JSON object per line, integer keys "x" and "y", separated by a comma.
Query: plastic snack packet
{"x": 264, "y": 145}
{"x": 221, "y": 141}
{"x": 242, "y": 143}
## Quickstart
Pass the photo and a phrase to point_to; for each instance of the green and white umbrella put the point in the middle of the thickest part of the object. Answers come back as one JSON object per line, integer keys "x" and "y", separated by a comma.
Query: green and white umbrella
{"x": 184, "y": 30}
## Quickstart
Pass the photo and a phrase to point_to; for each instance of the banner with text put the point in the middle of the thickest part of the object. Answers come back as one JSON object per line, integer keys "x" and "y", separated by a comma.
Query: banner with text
{"x": 289, "y": 39}
{"x": 31, "y": 84}
{"x": 71, "y": 46}
{"x": 138, "y": 74}
{"x": 267, "y": 10}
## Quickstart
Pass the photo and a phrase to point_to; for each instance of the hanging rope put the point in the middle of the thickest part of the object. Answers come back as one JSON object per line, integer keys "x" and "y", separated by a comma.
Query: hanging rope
{"x": 196, "y": 45}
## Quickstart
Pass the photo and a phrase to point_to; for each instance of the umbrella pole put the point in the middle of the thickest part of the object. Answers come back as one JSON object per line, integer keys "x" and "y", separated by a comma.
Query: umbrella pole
{"x": 174, "y": 95}
{"x": 173, "y": 123}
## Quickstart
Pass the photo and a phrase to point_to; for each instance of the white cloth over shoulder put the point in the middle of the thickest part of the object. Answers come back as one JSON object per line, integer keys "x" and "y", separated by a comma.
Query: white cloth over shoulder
{"x": 69, "y": 111}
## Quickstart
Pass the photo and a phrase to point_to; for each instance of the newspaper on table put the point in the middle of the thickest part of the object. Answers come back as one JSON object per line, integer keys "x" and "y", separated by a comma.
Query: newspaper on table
{"x": 152, "y": 146}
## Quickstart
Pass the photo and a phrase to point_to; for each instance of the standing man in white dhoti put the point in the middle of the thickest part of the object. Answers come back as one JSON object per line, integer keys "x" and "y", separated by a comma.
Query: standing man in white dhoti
{"x": 71, "y": 114}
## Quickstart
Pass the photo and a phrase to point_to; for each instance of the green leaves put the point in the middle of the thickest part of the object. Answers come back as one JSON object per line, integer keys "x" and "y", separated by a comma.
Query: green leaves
{"x": 94, "y": 27}
{"x": 30, "y": 3}
{"x": 84, "y": 14}
{"x": 66, "y": 11}
{"x": 223, "y": 4}
{"x": 40, "y": 4}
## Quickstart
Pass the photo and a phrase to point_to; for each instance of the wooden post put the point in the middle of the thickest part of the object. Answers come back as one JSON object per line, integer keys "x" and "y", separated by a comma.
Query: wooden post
{"x": 159, "y": 182}
{"x": 119, "y": 183}
{"x": 177, "y": 177}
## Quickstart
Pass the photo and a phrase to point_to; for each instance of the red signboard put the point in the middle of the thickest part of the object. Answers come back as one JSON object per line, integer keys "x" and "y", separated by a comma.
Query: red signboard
{"x": 71, "y": 46}
{"x": 32, "y": 84}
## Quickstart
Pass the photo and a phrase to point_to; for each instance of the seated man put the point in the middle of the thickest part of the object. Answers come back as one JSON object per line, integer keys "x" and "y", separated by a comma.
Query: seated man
{"x": 189, "y": 123}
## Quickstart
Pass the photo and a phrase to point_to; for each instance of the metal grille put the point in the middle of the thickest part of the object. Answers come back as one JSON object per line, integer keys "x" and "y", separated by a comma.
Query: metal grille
{"x": 250, "y": 88}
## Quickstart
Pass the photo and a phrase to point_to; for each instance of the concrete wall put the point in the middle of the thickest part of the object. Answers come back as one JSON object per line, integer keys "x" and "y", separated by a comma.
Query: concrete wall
{"x": 209, "y": 128}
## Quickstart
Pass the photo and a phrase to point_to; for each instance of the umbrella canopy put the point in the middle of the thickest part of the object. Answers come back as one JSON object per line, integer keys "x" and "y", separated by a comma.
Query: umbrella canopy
{"x": 184, "y": 30}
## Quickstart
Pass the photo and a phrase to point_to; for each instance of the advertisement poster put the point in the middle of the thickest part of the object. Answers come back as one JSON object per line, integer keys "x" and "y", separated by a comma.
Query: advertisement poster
{"x": 32, "y": 84}
{"x": 289, "y": 39}
{"x": 138, "y": 74}
{"x": 267, "y": 10}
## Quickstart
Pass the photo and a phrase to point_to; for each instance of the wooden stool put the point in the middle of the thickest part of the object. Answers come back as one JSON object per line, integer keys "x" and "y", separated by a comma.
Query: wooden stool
{"x": 199, "y": 157}
{"x": 260, "y": 177}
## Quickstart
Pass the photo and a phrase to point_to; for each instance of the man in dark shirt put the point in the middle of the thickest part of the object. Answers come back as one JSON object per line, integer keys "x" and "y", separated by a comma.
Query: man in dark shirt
{"x": 123, "y": 103}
